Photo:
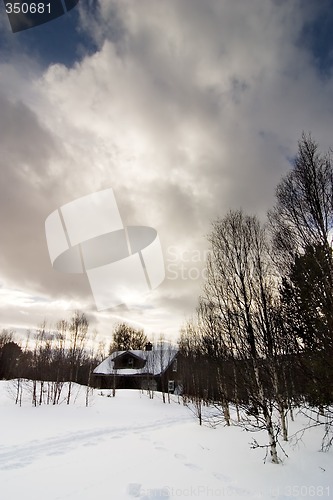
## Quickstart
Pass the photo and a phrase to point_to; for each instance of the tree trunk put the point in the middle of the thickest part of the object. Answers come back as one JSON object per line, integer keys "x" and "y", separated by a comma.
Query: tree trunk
{"x": 283, "y": 420}
{"x": 271, "y": 436}
{"x": 226, "y": 411}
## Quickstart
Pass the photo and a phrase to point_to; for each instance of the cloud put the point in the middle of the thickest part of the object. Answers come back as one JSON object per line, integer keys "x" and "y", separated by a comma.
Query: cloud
{"x": 187, "y": 109}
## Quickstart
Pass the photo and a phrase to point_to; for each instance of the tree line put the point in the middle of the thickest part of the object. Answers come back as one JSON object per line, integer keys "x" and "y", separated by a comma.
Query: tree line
{"x": 60, "y": 355}
{"x": 262, "y": 339}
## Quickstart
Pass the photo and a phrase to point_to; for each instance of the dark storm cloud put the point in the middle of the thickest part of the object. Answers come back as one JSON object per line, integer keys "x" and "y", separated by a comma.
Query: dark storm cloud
{"x": 187, "y": 109}
{"x": 28, "y": 188}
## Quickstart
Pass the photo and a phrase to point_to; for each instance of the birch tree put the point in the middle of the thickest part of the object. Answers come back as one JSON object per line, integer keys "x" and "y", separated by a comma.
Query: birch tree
{"x": 241, "y": 292}
{"x": 78, "y": 328}
{"x": 301, "y": 223}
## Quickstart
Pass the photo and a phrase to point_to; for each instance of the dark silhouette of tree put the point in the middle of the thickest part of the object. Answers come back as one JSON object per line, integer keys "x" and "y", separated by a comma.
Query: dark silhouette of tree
{"x": 301, "y": 222}
{"x": 10, "y": 354}
{"x": 125, "y": 337}
{"x": 303, "y": 214}
{"x": 306, "y": 299}
{"x": 306, "y": 311}
{"x": 5, "y": 337}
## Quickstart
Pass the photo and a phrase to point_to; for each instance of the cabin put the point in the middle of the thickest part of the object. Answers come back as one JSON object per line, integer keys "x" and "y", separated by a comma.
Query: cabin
{"x": 155, "y": 368}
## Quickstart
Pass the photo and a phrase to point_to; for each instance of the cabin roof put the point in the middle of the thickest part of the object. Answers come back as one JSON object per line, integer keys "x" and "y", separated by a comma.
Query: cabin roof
{"x": 156, "y": 362}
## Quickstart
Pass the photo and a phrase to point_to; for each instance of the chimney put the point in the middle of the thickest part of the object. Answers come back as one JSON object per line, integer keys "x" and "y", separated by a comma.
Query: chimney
{"x": 149, "y": 346}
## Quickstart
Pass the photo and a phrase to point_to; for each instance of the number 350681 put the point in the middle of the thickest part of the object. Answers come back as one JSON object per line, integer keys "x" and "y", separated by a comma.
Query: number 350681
{"x": 28, "y": 8}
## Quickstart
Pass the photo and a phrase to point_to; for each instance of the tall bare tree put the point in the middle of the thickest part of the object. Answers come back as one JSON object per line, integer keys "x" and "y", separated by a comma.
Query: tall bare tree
{"x": 303, "y": 214}
{"x": 78, "y": 328}
{"x": 301, "y": 223}
{"x": 196, "y": 373}
{"x": 240, "y": 297}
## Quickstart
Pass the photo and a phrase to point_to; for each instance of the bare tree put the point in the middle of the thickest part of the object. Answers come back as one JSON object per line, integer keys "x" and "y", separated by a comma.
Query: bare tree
{"x": 60, "y": 359}
{"x": 78, "y": 328}
{"x": 151, "y": 368}
{"x": 301, "y": 222}
{"x": 89, "y": 389}
{"x": 198, "y": 374}
{"x": 160, "y": 362}
{"x": 6, "y": 336}
{"x": 126, "y": 337}
{"x": 213, "y": 347}
{"x": 303, "y": 214}
{"x": 241, "y": 292}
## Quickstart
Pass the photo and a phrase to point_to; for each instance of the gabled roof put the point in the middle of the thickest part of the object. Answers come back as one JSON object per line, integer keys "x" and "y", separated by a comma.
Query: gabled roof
{"x": 157, "y": 361}
{"x": 133, "y": 353}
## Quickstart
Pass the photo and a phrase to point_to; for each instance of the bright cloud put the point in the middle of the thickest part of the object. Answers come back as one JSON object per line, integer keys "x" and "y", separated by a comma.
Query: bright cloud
{"x": 188, "y": 108}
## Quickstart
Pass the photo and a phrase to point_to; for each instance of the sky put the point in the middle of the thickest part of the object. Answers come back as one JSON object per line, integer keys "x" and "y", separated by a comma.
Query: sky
{"x": 185, "y": 108}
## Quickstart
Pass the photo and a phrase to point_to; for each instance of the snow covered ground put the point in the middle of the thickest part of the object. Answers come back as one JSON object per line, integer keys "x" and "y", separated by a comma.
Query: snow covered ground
{"x": 131, "y": 447}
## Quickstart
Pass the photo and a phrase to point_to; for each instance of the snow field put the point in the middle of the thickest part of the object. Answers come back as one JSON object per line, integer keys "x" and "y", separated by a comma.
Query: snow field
{"x": 131, "y": 447}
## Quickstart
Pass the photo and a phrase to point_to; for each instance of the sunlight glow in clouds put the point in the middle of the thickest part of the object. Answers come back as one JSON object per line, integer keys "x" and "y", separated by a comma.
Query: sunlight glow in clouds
{"x": 187, "y": 109}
